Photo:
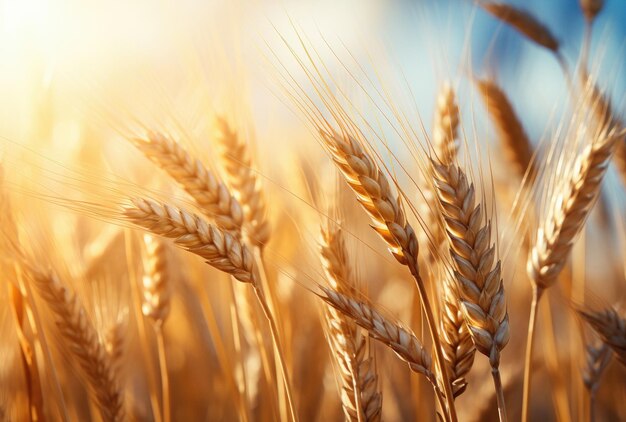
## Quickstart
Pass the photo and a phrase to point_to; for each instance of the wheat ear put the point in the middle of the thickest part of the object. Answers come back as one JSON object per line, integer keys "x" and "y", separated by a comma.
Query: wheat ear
{"x": 245, "y": 183}
{"x": 81, "y": 338}
{"x": 360, "y": 397}
{"x": 222, "y": 250}
{"x": 478, "y": 275}
{"x": 524, "y": 22}
{"x": 555, "y": 237}
{"x": 611, "y": 328}
{"x": 399, "y": 339}
{"x": 446, "y": 126}
{"x": 209, "y": 192}
{"x": 568, "y": 212}
{"x": 384, "y": 208}
{"x": 516, "y": 145}
{"x": 458, "y": 346}
{"x": 597, "y": 359}
{"x": 155, "y": 282}
{"x": 219, "y": 248}
{"x": 591, "y": 8}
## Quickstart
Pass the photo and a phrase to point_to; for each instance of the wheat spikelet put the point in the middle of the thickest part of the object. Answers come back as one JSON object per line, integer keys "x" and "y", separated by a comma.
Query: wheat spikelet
{"x": 155, "y": 282}
{"x": 478, "y": 278}
{"x": 400, "y": 340}
{"x": 516, "y": 145}
{"x": 597, "y": 359}
{"x": 360, "y": 395}
{"x": 611, "y": 328}
{"x": 81, "y": 339}
{"x": 445, "y": 129}
{"x": 524, "y": 22}
{"x": 458, "y": 347}
{"x": 209, "y": 192}
{"x": 221, "y": 249}
{"x": 591, "y": 8}
{"x": 568, "y": 212}
{"x": 245, "y": 183}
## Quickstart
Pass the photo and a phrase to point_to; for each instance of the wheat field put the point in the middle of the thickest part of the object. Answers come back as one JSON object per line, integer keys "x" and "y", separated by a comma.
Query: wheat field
{"x": 301, "y": 211}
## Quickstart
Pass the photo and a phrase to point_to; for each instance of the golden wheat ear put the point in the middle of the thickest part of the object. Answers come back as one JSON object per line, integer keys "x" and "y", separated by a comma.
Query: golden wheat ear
{"x": 81, "y": 339}
{"x": 205, "y": 187}
{"x": 361, "y": 398}
{"x": 524, "y": 22}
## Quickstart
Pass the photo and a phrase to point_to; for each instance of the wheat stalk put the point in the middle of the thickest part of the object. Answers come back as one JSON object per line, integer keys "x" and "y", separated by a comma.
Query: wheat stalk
{"x": 81, "y": 339}
{"x": 384, "y": 208}
{"x": 516, "y": 145}
{"x": 361, "y": 399}
{"x": 206, "y": 188}
{"x": 446, "y": 126}
{"x": 245, "y": 183}
{"x": 524, "y": 22}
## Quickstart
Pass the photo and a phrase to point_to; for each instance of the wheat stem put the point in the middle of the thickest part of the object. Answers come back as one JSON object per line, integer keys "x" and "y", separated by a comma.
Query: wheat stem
{"x": 532, "y": 323}
{"x": 495, "y": 372}
{"x": 165, "y": 379}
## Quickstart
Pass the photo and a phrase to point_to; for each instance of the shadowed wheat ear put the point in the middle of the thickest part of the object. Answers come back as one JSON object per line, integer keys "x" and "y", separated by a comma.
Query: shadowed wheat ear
{"x": 155, "y": 282}
{"x": 361, "y": 399}
{"x": 597, "y": 359}
{"x": 400, "y": 340}
{"x": 384, "y": 208}
{"x": 446, "y": 125}
{"x": 516, "y": 145}
{"x": 524, "y": 22}
{"x": 81, "y": 339}
{"x": 245, "y": 183}
{"x": 611, "y": 328}
{"x": 210, "y": 193}
{"x": 189, "y": 231}
{"x": 458, "y": 346}
{"x": 478, "y": 284}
